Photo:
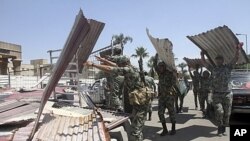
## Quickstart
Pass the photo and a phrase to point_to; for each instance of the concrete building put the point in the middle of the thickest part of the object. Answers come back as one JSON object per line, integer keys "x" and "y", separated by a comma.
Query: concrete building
{"x": 10, "y": 52}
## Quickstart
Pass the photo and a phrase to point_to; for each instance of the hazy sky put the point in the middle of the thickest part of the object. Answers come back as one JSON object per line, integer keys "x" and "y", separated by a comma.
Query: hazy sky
{"x": 41, "y": 25}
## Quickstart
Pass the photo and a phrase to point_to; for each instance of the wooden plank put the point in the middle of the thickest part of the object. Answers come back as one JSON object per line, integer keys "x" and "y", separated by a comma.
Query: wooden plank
{"x": 164, "y": 48}
{"x": 77, "y": 34}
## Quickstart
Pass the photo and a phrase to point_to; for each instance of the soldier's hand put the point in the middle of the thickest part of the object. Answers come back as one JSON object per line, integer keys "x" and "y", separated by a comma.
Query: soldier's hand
{"x": 98, "y": 58}
{"x": 88, "y": 63}
{"x": 203, "y": 53}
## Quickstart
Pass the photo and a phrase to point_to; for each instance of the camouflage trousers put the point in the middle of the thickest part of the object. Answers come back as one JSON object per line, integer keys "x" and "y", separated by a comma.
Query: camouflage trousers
{"x": 166, "y": 102}
{"x": 115, "y": 101}
{"x": 203, "y": 97}
{"x": 137, "y": 122}
{"x": 222, "y": 103}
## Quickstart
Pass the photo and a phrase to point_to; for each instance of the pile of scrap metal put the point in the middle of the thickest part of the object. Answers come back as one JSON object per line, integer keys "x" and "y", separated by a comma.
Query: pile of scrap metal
{"x": 41, "y": 121}
{"x": 219, "y": 41}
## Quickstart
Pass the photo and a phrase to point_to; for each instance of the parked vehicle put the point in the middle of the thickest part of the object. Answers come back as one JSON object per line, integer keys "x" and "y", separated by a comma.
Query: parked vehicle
{"x": 240, "y": 82}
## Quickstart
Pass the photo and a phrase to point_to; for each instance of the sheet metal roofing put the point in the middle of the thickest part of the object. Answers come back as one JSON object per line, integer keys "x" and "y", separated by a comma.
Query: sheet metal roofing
{"x": 219, "y": 41}
{"x": 55, "y": 127}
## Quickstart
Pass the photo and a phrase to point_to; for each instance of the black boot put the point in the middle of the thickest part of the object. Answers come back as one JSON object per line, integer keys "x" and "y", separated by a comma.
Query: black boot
{"x": 223, "y": 130}
{"x": 149, "y": 116}
{"x": 173, "y": 131}
{"x": 219, "y": 131}
{"x": 165, "y": 130}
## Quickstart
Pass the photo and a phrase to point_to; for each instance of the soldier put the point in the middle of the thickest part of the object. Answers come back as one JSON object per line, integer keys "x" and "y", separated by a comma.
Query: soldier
{"x": 222, "y": 96}
{"x": 115, "y": 82}
{"x": 151, "y": 85}
{"x": 134, "y": 84}
{"x": 196, "y": 83}
{"x": 166, "y": 92}
{"x": 205, "y": 87}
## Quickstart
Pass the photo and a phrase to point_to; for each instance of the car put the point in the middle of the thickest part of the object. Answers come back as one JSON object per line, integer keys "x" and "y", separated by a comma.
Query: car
{"x": 240, "y": 82}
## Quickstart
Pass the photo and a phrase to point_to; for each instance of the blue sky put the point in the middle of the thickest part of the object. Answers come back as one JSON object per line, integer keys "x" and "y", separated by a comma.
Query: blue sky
{"x": 42, "y": 25}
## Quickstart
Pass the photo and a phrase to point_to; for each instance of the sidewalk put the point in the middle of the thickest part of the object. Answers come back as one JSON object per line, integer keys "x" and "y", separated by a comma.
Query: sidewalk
{"x": 190, "y": 125}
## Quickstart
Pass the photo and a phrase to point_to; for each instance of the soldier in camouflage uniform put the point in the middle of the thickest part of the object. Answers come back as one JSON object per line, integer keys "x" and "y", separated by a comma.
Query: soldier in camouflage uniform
{"x": 166, "y": 94}
{"x": 205, "y": 87}
{"x": 151, "y": 85}
{"x": 196, "y": 83}
{"x": 222, "y": 96}
{"x": 114, "y": 81}
{"x": 133, "y": 82}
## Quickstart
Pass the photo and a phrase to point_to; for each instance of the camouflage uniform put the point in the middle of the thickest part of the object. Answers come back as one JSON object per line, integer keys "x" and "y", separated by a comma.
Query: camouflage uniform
{"x": 132, "y": 81}
{"x": 196, "y": 85}
{"x": 151, "y": 84}
{"x": 166, "y": 96}
{"x": 222, "y": 97}
{"x": 205, "y": 87}
{"x": 115, "y": 83}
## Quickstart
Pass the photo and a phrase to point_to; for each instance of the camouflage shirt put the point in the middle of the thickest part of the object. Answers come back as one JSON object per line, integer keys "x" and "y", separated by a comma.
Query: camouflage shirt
{"x": 166, "y": 81}
{"x": 131, "y": 77}
{"x": 205, "y": 84}
{"x": 196, "y": 80}
{"x": 221, "y": 78}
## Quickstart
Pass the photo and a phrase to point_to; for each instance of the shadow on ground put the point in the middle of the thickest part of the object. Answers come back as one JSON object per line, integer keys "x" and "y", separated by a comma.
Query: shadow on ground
{"x": 183, "y": 134}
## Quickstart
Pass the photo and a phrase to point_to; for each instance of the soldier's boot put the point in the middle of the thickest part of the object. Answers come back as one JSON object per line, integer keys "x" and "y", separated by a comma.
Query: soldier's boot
{"x": 173, "y": 131}
{"x": 149, "y": 116}
{"x": 165, "y": 129}
{"x": 220, "y": 130}
{"x": 223, "y": 130}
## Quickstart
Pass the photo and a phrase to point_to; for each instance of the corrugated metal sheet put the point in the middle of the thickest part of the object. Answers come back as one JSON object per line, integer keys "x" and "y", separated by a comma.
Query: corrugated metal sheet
{"x": 16, "y": 112}
{"x": 219, "y": 41}
{"x": 89, "y": 42}
{"x": 65, "y": 128}
{"x": 78, "y": 33}
{"x": 193, "y": 62}
{"x": 164, "y": 48}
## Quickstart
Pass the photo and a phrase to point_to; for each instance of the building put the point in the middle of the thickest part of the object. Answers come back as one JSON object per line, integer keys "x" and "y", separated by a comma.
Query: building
{"x": 10, "y": 52}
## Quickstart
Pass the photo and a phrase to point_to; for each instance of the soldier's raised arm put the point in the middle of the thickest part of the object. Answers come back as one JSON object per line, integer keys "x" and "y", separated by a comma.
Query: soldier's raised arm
{"x": 203, "y": 60}
{"x": 236, "y": 56}
{"x": 105, "y": 61}
{"x": 105, "y": 68}
{"x": 189, "y": 70}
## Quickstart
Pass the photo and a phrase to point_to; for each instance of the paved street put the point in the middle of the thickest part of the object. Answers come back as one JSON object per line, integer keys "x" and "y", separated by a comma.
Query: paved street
{"x": 190, "y": 125}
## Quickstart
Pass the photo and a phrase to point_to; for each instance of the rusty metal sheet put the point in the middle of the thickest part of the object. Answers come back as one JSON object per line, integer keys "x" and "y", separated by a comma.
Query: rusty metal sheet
{"x": 18, "y": 115}
{"x": 219, "y": 41}
{"x": 12, "y": 106}
{"x": 164, "y": 48}
{"x": 193, "y": 62}
{"x": 66, "y": 128}
{"x": 89, "y": 42}
{"x": 78, "y": 32}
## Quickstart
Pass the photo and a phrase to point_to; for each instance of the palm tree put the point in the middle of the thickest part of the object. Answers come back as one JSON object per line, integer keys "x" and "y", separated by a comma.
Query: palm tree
{"x": 141, "y": 53}
{"x": 121, "y": 39}
{"x": 182, "y": 66}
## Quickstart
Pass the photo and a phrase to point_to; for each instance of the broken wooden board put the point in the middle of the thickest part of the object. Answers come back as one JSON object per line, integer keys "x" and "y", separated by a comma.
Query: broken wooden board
{"x": 164, "y": 48}
{"x": 78, "y": 32}
{"x": 219, "y": 41}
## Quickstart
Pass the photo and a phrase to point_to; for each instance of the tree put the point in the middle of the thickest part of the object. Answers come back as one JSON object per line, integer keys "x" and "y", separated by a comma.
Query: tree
{"x": 141, "y": 53}
{"x": 183, "y": 66}
{"x": 121, "y": 39}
